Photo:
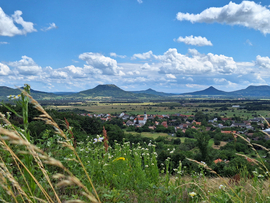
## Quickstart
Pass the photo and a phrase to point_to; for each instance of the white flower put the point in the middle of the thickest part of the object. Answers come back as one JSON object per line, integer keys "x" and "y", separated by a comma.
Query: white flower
{"x": 222, "y": 187}
{"x": 192, "y": 194}
{"x": 146, "y": 166}
{"x": 260, "y": 176}
{"x": 99, "y": 139}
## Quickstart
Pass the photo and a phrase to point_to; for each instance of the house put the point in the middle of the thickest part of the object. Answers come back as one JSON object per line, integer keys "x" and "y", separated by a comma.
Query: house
{"x": 152, "y": 127}
{"x": 141, "y": 120}
{"x": 212, "y": 121}
{"x": 164, "y": 123}
{"x": 128, "y": 123}
{"x": 240, "y": 125}
{"x": 218, "y": 161}
{"x": 196, "y": 123}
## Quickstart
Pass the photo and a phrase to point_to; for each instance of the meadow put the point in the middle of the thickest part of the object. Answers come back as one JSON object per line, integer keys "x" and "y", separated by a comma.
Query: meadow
{"x": 58, "y": 169}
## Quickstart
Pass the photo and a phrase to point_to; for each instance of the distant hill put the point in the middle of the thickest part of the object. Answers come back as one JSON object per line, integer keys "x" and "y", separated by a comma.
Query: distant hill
{"x": 253, "y": 91}
{"x": 209, "y": 91}
{"x": 111, "y": 91}
{"x": 153, "y": 92}
{"x": 6, "y": 91}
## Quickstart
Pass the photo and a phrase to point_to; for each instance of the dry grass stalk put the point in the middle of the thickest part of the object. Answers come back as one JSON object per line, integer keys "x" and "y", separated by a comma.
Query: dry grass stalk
{"x": 74, "y": 201}
{"x": 31, "y": 148}
{"x": 258, "y": 145}
{"x": 214, "y": 172}
{"x": 4, "y": 170}
{"x": 15, "y": 157}
{"x": 49, "y": 120}
{"x": 204, "y": 165}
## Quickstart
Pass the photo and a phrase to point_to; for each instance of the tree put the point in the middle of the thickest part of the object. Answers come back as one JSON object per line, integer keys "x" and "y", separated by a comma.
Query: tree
{"x": 202, "y": 144}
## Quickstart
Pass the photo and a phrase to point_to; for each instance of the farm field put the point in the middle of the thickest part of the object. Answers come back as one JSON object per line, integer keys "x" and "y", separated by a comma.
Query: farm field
{"x": 163, "y": 108}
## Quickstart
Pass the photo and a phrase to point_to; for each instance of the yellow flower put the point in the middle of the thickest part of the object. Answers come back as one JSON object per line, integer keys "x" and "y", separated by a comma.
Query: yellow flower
{"x": 119, "y": 158}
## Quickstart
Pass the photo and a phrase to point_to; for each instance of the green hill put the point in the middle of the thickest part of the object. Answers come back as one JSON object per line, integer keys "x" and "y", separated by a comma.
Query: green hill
{"x": 112, "y": 91}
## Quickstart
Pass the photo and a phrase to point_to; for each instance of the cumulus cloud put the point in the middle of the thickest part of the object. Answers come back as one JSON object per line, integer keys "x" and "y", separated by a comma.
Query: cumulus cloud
{"x": 247, "y": 14}
{"x": 173, "y": 62}
{"x": 26, "y": 66}
{"x": 263, "y": 62}
{"x": 115, "y": 55}
{"x": 8, "y": 27}
{"x": 4, "y": 69}
{"x": 51, "y": 26}
{"x": 107, "y": 65}
{"x": 195, "y": 41}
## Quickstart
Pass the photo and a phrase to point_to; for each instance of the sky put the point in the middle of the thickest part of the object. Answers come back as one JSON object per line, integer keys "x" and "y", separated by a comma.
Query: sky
{"x": 173, "y": 46}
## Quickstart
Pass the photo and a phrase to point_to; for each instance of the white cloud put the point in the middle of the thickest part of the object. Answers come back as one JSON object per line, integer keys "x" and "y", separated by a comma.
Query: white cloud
{"x": 115, "y": 55}
{"x": 4, "y": 69}
{"x": 26, "y": 66}
{"x": 25, "y": 61}
{"x": 171, "y": 76}
{"x": 107, "y": 65}
{"x": 220, "y": 81}
{"x": 247, "y": 14}
{"x": 146, "y": 55}
{"x": 4, "y": 43}
{"x": 196, "y": 86}
{"x": 51, "y": 26}
{"x": 173, "y": 62}
{"x": 140, "y": 1}
{"x": 76, "y": 72}
{"x": 195, "y": 41}
{"x": 263, "y": 62}
{"x": 8, "y": 28}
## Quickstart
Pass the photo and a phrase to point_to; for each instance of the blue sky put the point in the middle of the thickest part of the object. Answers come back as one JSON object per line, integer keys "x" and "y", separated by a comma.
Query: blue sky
{"x": 170, "y": 46}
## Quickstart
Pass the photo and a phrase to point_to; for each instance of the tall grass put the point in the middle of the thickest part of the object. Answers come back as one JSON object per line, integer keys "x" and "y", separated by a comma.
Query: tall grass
{"x": 60, "y": 170}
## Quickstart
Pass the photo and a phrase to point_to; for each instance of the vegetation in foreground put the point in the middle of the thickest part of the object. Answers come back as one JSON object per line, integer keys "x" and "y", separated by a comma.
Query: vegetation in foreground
{"x": 57, "y": 169}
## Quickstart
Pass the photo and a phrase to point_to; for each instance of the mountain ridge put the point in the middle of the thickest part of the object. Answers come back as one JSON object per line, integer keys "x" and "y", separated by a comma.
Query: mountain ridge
{"x": 113, "y": 91}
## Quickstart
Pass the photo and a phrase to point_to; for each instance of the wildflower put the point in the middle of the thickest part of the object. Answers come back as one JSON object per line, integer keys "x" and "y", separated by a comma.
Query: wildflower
{"x": 119, "y": 158}
{"x": 99, "y": 139}
{"x": 260, "y": 176}
{"x": 222, "y": 187}
{"x": 146, "y": 166}
{"x": 192, "y": 194}
{"x": 171, "y": 152}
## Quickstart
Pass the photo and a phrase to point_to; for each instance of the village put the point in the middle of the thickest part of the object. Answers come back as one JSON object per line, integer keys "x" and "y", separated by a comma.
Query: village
{"x": 180, "y": 124}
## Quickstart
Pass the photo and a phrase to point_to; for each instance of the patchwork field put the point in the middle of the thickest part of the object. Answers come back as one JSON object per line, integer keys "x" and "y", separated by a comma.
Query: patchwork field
{"x": 163, "y": 108}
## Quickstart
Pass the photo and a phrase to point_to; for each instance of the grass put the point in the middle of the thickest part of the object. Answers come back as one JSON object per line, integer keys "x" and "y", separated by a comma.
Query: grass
{"x": 149, "y": 134}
